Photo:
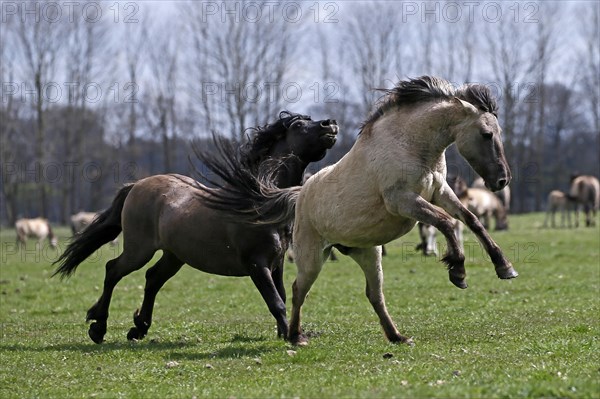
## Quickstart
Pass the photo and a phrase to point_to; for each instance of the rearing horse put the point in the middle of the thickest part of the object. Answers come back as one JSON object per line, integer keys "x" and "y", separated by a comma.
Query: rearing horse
{"x": 393, "y": 176}
{"x": 168, "y": 213}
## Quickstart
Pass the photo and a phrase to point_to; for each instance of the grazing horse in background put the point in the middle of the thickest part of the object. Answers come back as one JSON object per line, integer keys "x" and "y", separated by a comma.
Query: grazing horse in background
{"x": 503, "y": 195}
{"x": 481, "y": 202}
{"x": 169, "y": 213}
{"x": 485, "y": 204}
{"x": 557, "y": 201}
{"x": 38, "y": 228}
{"x": 585, "y": 191}
{"x": 393, "y": 176}
{"x": 81, "y": 220}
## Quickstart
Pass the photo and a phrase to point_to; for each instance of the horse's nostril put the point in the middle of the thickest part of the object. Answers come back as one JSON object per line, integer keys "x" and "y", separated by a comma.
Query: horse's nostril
{"x": 502, "y": 183}
{"x": 325, "y": 123}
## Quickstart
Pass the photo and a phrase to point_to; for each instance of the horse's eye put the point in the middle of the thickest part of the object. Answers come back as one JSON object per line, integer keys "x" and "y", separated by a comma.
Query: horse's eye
{"x": 487, "y": 134}
{"x": 296, "y": 124}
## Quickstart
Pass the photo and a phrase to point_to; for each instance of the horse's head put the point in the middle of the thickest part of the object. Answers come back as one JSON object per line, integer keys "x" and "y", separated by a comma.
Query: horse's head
{"x": 292, "y": 134}
{"x": 478, "y": 136}
{"x": 307, "y": 139}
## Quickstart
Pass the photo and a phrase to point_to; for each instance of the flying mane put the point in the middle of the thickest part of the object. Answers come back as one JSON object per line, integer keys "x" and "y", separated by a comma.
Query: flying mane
{"x": 260, "y": 140}
{"x": 430, "y": 88}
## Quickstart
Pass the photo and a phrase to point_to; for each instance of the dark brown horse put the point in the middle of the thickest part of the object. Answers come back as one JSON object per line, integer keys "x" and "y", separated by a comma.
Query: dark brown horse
{"x": 167, "y": 212}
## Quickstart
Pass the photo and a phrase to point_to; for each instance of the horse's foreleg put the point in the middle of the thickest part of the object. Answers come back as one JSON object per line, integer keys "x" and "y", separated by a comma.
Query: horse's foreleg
{"x": 447, "y": 200}
{"x": 116, "y": 269}
{"x": 416, "y": 207}
{"x": 369, "y": 259}
{"x": 263, "y": 280}
{"x": 167, "y": 266}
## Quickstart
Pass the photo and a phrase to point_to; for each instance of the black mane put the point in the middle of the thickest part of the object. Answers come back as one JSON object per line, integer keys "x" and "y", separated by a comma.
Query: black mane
{"x": 431, "y": 88}
{"x": 480, "y": 96}
{"x": 260, "y": 140}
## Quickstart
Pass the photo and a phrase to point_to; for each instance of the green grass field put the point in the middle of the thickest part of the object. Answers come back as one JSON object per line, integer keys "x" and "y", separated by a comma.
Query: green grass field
{"x": 536, "y": 336}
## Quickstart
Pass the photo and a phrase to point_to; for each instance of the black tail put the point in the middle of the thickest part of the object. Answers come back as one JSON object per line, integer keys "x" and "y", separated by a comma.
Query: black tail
{"x": 243, "y": 194}
{"x": 105, "y": 228}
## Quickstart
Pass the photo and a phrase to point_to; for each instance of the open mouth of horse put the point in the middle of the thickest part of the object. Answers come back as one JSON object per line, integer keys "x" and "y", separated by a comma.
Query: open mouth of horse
{"x": 329, "y": 134}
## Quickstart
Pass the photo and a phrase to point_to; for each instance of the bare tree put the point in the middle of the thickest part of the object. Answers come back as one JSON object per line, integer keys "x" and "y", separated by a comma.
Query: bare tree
{"x": 588, "y": 59}
{"x": 84, "y": 50}
{"x": 237, "y": 67}
{"x": 374, "y": 44}
{"x": 545, "y": 47}
{"x": 39, "y": 44}
{"x": 160, "y": 109}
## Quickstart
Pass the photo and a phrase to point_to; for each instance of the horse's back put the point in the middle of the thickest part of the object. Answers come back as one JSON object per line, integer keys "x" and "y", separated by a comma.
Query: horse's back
{"x": 344, "y": 205}
{"x": 166, "y": 212}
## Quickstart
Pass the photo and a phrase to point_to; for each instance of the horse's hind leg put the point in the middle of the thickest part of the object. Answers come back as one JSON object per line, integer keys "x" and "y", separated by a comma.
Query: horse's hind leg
{"x": 309, "y": 259}
{"x": 116, "y": 269}
{"x": 369, "y": 259}
{"x": 167, "y": 266}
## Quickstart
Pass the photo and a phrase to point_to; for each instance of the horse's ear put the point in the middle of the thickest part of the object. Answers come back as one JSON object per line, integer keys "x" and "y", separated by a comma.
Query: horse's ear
{"x": 464, "y": 105}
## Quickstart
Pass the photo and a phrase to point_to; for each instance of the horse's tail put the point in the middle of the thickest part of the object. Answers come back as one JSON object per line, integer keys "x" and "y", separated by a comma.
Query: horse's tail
{"x": 243, "y": 194}
{"x": 105, "y": 228}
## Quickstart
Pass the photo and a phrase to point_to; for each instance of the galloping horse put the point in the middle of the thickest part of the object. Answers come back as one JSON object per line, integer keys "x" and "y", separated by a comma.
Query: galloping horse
{"x": 393, "y": 176}
{"x": 558, "y": 201}
{"x": 168, "y": 213}
{"x": 585, "y": 191}
{"x": 35, "y": 228}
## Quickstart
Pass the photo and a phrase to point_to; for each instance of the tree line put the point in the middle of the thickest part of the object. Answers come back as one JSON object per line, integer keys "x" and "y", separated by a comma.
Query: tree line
{"x": 95, "y": 95}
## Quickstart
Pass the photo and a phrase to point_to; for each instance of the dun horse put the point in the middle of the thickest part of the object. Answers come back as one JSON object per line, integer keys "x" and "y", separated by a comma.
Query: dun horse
{"x": 38, "y": 228}
{"x": 585, "y": 191}
{"x": 558, "y": 201}
{"x": 393, "y": 176}
{"x": 81, "y": 220}
{"x": 168, "y": 213}
{"x": 503, "y": 195}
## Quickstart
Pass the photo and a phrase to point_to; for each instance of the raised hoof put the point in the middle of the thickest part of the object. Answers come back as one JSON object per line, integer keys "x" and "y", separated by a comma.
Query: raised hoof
{"x": 134, "y": 333}
{"x": 458, "y": 280}
{"x": 96, "y": 332}
{"x": 506, "y": 273}
{"x": 298, "y": 340}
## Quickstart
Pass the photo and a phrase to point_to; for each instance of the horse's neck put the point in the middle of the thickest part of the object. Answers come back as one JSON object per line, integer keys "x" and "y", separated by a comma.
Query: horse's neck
{"x": 421, "y": 133}
{"x": 290, "y": 172}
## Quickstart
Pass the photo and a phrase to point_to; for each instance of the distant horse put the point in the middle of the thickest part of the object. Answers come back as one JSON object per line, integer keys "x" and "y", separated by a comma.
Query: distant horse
{"x": 427, "y": 233}
{"x": 38, "y": 228}
{"x": 392, "y": 177}
{"x": 168, "y": 213}
{"x": 503, "y": 195}
{"x": 81, "y": 220}
{"x": 557, "y": 201}
{"x": 585, "y": 191}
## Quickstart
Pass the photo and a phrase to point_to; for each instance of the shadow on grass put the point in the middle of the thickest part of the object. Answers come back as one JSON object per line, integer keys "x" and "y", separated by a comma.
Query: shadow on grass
{"x": 230, "y": 352}
{"x": 150, "y": 345}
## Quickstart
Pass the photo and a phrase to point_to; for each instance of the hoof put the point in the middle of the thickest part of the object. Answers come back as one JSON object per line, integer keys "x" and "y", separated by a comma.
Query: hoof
{"x": 400, "y": 339}
{"x": 298, "y": 340}
{"x": 506, "y": 273}
{"x": 96, "y": 332}
{"x": 134, "y": 333}
{"x": 282, "y": 333}
{"x": 457, "y": 278}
